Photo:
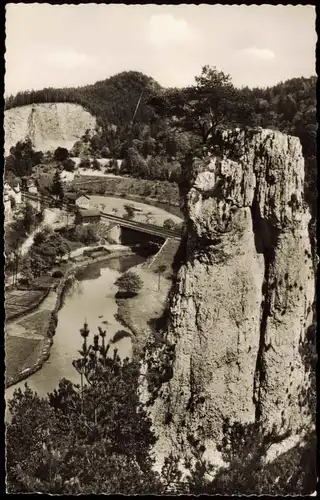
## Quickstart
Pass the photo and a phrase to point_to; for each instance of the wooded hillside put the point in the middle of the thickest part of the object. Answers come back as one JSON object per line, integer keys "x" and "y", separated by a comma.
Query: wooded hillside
{"x": 154, "y": 128}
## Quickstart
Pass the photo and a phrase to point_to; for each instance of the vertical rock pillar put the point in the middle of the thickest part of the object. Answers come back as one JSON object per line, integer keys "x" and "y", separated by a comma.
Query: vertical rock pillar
{"x": 243, "y": 293}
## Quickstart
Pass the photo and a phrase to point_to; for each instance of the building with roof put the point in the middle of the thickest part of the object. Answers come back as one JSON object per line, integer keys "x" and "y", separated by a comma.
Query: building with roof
{"x": 90, "y": 216}
{"x": 83, "y": 201}
{"x": 79, "y": 200}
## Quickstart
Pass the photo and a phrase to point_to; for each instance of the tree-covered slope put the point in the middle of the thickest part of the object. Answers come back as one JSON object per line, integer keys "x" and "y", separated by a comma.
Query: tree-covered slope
{"x": 112, "y": 100}
{"x": 152, "y": 128}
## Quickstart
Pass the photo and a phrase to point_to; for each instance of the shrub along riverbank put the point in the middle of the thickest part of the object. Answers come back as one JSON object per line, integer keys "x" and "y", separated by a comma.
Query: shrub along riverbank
{"x": 51, "y": 322}
{"x": 145, "y": 313}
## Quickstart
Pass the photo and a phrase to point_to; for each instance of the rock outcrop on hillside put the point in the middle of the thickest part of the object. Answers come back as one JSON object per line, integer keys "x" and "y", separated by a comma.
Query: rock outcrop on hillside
{"x": 48, "y": 125}
{"x": 242, "y": 298}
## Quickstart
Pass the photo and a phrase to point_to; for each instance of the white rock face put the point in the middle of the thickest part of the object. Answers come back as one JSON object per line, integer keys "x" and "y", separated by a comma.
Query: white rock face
{"x": 243, "y": 294}
{"x": 48, "y": 125}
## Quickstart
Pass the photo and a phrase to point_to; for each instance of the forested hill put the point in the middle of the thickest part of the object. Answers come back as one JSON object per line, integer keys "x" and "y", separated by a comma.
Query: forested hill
{"x": 112, "y": 100}
{"x": 153, "y": 128}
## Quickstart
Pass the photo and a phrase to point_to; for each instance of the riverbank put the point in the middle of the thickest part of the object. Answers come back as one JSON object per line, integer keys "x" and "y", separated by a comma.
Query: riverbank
{"x": 144, "y": 314}
{"x": 31, "y": 348}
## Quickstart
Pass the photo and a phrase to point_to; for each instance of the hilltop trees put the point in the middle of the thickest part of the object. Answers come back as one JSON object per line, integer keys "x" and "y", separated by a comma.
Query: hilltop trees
{"x": 113, "y": 100}
{"x": 211, "y": 102}
{"x": 169, "y": 123}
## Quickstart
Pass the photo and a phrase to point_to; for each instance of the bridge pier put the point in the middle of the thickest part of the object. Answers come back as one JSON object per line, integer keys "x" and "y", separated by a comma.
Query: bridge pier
{"x": 129, "y": 236}
{"x": 115, "y": 233}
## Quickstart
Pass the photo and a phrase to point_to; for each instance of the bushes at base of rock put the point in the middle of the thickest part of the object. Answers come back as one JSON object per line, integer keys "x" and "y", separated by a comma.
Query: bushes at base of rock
{"x": 159, "y": 367}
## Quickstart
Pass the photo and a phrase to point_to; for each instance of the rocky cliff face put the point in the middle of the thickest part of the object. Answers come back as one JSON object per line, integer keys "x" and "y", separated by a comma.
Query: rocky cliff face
{"x": 48, "y": 125}
{"x": 243, "y": 294}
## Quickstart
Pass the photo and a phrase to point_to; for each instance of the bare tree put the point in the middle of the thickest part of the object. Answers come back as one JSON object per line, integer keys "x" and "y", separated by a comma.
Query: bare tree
{"x": 160, "y": 269}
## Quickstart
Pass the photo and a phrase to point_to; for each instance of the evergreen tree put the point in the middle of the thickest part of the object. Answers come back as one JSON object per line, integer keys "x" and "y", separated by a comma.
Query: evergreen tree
{"x": 93, "y": 438}
{"x": 57, "y": 187}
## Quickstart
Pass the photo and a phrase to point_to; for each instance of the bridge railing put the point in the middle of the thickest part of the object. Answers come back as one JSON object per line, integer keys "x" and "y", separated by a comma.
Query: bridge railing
{"x": 174, "y": 232}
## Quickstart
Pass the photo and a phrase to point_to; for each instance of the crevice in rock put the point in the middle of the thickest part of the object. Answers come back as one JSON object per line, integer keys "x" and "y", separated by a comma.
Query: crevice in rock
{"x": 192, "y": 399}
{"x": 181, "y": 255}
{"x": 265, "y": 238}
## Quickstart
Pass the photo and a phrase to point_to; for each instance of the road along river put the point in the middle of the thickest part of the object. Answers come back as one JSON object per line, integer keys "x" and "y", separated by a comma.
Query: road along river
{"x": 91, "y": 298}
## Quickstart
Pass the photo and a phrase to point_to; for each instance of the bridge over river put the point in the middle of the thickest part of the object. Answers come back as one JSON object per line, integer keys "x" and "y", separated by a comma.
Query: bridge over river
{"x": 151, "y": 229}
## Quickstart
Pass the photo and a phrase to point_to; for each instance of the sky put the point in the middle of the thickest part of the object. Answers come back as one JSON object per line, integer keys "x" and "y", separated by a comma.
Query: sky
{"x": 74, "y": 45}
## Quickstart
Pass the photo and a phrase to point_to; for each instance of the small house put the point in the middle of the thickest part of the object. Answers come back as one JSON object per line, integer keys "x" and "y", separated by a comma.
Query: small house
{"x": 78, "y": 200}
{"x": 83, "y": 201}
{"x": 87, "y": 216}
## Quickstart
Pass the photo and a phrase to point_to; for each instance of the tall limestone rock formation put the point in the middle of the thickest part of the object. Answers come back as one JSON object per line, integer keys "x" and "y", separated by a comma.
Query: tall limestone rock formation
{"x": 243, "y": 294}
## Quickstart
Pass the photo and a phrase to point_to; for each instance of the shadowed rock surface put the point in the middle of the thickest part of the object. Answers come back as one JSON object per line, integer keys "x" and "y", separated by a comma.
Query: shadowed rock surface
{"x": 243, "y": 294}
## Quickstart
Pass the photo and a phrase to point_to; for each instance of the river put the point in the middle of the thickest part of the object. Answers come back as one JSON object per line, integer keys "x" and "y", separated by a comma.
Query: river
{"x": 91, "y": 298}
